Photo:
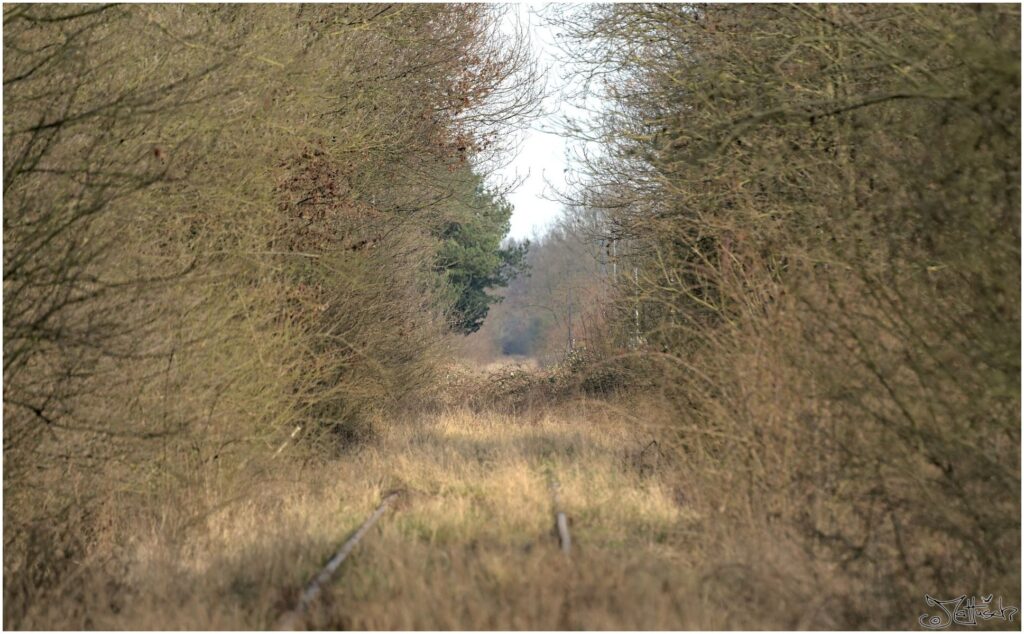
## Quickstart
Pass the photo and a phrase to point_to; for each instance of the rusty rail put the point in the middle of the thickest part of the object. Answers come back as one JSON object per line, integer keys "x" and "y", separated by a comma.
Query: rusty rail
{"x": 289, "y": 620}
{"x": 561, "y": 519}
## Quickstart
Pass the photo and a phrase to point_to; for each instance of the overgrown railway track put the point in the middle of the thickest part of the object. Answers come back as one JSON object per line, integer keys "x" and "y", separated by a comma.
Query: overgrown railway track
{"x": 294, "y": 617}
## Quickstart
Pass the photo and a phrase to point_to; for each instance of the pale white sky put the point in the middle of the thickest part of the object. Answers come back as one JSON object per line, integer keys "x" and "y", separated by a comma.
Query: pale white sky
{"x": 541, "y": 160}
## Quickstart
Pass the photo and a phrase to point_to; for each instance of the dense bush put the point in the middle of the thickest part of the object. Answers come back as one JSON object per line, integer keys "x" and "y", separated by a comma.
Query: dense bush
{"x": 823, "y": 205}
{"x": 221, "y": 232}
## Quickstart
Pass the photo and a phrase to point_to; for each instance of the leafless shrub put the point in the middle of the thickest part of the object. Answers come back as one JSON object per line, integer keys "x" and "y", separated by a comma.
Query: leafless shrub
{"x": 822, "y": 204}
{"x": 217, "y": 250}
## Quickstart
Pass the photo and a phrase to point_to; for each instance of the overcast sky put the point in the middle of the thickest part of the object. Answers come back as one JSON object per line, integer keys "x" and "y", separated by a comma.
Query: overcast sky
{"x": 541, "y": 160}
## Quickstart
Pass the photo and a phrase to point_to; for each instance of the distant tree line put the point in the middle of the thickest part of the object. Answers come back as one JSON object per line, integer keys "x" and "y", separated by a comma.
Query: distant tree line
{"x": 556, "y": 303}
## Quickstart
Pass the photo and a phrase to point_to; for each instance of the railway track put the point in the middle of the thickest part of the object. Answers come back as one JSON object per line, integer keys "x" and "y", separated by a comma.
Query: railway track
{"x": 289, "y": 620}
{"x": 293, "y": 618}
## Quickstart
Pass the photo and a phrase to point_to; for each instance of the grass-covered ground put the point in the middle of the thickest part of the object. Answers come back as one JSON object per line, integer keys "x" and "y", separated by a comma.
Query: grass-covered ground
{"x": 664, "y": 536}
{"x": 470, "y": 545}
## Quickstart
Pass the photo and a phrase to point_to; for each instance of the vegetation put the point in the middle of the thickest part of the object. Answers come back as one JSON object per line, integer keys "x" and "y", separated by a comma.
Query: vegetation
{"x": 771, "y": 354}
{"x": 473, "y": 255}
{"x": 559, "y": 300}
{"x": 823, "y": 206}
{"x": 221, "y": 230}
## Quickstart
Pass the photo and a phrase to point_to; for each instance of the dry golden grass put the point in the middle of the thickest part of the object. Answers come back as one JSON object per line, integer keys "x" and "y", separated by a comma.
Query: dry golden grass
{"x": 671, "y": 530}
{"x": 661, "y": 538}
{"x": 471, "y": 545}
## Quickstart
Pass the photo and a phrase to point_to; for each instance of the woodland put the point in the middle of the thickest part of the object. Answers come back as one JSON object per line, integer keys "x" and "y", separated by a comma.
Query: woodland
{"x": 257, "y": 279}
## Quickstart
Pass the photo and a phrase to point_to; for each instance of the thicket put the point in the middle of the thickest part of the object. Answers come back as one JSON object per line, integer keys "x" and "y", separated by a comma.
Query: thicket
{"x": 224, "y": 237}
{"x": 822, "y": 203}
